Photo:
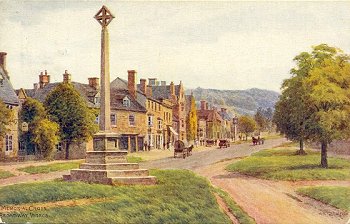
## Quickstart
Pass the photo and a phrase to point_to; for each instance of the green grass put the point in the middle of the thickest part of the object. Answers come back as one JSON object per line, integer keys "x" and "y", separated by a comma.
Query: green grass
{"x": 284, "y": 164}
{"x": 50, "y": 168}
{"x": 134, "y": 159}
{"x": 179, "y": 197}
{"x": 237, "y": 211}
{"x": 338, "y": 197}
{"x": 5, "y": 174}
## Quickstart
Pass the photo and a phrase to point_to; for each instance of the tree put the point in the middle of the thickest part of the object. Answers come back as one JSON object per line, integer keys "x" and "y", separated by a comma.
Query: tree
{"x": 65, "y": 106}
{"x": 6, "y": 118}
{"x": 315, "y": 102}
{"x": 260, "y": 119}
{"x": 45, "y": 137}
{"x": 42, "y": 134}
{"x": 246, "y": 125}
{"x": 328, "y": 84}
{"x": 192, "y": 121}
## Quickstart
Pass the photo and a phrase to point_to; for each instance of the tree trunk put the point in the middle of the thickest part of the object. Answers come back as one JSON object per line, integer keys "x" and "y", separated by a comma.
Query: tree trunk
{"x": 67, "y": 150}
{"x": 301, "y": 147}
{"x": 324, "y": 161}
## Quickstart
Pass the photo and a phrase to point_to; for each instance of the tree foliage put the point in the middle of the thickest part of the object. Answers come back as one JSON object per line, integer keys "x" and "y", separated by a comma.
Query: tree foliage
{"x": 45, "y": 134}
{"x": 65, "y": 106}
{"x": 42, "y": 136}
{"x": 6, "y": 117}
{"x": 246, "y": 125}
{"x": 191, "y": 125}
{"x": 315, "y": 101}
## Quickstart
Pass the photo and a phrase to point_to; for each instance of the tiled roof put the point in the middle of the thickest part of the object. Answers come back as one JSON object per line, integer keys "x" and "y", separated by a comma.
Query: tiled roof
{"x": 225, "y": 115}
{"x": 84, "y": 90}
{"x": 163, "y": 92}
{"x": 7, "y": 93}
{"x": 119, "y": 89}
{"x": 117, "y": 96}
{"x": 209, "y": 115}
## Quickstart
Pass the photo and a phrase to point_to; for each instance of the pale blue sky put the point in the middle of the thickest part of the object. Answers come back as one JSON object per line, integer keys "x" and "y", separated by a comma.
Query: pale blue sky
{"x": 223, "y": 45}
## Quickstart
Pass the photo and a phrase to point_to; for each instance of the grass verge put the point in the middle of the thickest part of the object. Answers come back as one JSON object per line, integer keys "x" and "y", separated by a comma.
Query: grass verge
{"x": 332, "y": 195}
{"x": 283, "y": 164}
{"x": 179, "y": 197}
{"x": 50, "y": 167}
{"x": 134, "y": 159}
{"x": 237, "y": 211}
{"x": 5, "y": 174}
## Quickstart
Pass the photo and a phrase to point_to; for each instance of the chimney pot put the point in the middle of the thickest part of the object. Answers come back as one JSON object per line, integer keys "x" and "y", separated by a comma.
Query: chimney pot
{"x": 143, "y": 85}
{"x": 203, "y": 105}
{"x": 44, "y": 79}
{"x": 132, "y": 83}
{"x": 67, "y": 78}
{"x": 3, "y": 60}
{"x": 94, "y": 82}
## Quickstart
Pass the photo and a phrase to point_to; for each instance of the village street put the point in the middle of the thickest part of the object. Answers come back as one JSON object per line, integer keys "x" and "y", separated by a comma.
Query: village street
{"x": 265, "y": 201}
{"x": 252, "y": 194}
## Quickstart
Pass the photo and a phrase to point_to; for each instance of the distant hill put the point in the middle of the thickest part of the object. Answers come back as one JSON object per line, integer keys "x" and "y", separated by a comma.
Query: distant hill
{"x": 239, "y": 101}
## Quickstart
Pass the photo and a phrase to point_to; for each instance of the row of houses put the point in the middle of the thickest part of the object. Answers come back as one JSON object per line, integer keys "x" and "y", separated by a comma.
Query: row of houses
{"x": 148, "y": 114}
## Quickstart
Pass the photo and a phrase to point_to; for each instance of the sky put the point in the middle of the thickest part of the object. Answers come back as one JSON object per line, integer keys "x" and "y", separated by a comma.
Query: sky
{"x": 219, "y": 45}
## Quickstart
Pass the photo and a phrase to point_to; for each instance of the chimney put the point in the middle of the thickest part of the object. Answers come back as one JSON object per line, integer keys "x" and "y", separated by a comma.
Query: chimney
{"x": 203, "y": 105}
{"x": 36, "y": 86}
{"x": 132, "y": 83}
{"x": 44, "y": 79}
{"x": 163, "y": 83}
{"x": 94, "y": 82}
{"x": 152, "y": 81}
{"x": 172, "y": 89}
{"x": 67, "y": 78}
{"x": 3, "y": 60}
{"x": 143, "y": 85}
{"x": 149, "y": 91}
{"x": 206, "y": 105}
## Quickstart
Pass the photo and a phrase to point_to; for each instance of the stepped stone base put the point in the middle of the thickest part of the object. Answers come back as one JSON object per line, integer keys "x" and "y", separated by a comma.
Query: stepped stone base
{"x": 110, "y": 167}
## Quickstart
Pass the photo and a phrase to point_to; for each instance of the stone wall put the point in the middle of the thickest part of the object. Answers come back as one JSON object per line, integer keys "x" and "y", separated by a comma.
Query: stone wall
{"x": 122, "y": 123}
{"x": 13, "y": 130}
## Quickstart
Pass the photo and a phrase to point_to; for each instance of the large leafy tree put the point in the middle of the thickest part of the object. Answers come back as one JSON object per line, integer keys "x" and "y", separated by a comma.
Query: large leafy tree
{"x": 260, "y": 119}
{"x": 66, "y": 107}
{"x": 315, "y": 101}
{"x": 329, "y": 91}
{"x": 6, "y": 117}
{"x": 192, "y": 121}
{"x": 246, "y": 125}
{"x": 42, "y": 133}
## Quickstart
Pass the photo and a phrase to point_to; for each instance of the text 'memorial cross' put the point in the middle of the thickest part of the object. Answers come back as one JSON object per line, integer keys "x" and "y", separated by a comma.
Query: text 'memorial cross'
{"x": 104, "y": 16}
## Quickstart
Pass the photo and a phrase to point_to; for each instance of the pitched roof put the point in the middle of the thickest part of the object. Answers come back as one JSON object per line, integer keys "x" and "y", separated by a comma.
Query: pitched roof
{"x": 163, "y": 92}
{"x": 7, "y": 93}
{"x": 117, "y": 96}
{"x": 225, "y": 115}
{"x": 86, "y": 91}
{"x": 209, "y": 115}
{"x": 119, "y": 89}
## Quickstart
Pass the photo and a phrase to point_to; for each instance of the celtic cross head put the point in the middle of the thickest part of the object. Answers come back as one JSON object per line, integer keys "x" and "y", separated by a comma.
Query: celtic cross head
{"x": 104, "y": 16}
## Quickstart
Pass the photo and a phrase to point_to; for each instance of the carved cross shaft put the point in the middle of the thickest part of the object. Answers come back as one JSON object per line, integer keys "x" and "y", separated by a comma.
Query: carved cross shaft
{"x": 104, "y": 16}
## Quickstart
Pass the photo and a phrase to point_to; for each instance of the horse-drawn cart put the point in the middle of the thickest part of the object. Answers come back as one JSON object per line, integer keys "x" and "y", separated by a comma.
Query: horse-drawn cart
{"x": 180, "y": 148}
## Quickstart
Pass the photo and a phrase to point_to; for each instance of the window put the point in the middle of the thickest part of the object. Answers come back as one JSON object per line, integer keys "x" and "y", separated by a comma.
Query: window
{"x": 182, "y": 123}
{"x": 126, "y": 102}
{"x": 97, "y": 120}
{"x": 113, "y": 119}
{"x": 96, "y": 100}
{"x": 132, "y": 120}
{"x": 8, "y": 143}
{"x": 160, "y": 124}
{"x": 59, "y": 146}
{"x": 150, "y": 121}
{"x": 182, "y": 107}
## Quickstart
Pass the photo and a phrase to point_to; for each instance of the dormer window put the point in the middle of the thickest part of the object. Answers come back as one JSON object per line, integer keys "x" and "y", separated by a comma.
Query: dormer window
{"x": 126, "y": 102}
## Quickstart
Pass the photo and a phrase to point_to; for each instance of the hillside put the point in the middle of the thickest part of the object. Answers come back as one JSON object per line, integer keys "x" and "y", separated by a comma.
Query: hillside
{"x": 240, "y": 101}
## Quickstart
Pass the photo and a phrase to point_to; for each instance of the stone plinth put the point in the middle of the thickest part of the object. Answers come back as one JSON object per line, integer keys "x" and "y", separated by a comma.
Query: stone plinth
{"x": 110, "y": 167}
